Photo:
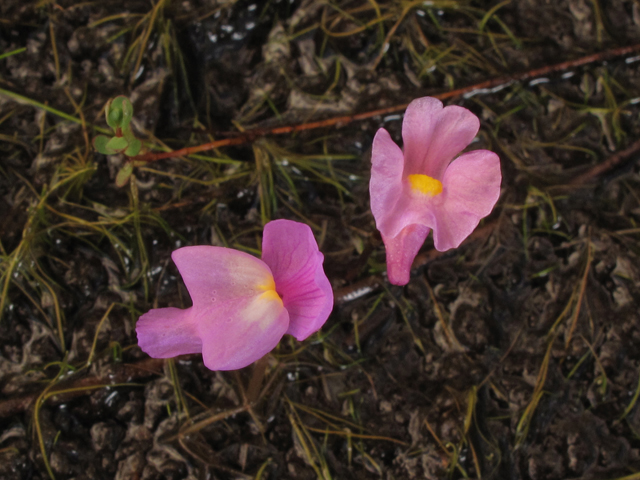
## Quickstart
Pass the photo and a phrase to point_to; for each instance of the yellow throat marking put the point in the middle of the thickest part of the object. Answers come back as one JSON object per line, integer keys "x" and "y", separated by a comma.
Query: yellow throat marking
{"x": 425, "y": 184}
{"x": 269, "y": 290}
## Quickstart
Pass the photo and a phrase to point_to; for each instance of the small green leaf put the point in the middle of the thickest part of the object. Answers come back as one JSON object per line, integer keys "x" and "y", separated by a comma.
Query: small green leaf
{"x": 124, "y": 175}
{"x": 115, "y": 116}
{"x": 135, "y": 146}
{"x": 100, "y": 145}
{"x": 127, "y": 112}
{"x": 113, "y": 112}
{"x": 119, "y": 144}
{"x": 120, "y": 112}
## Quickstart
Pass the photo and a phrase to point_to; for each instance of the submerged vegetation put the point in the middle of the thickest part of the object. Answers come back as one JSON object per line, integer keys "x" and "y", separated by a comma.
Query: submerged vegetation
{"x": 515, "y": 356}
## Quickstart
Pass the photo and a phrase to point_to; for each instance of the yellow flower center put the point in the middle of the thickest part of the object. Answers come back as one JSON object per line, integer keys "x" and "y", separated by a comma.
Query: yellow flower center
{"x": 269, "y": 291}
{"x": 425, "y": 184}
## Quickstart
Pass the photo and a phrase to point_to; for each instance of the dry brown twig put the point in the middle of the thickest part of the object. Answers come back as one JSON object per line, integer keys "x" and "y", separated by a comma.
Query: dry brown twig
{"x": 239, "y": 138}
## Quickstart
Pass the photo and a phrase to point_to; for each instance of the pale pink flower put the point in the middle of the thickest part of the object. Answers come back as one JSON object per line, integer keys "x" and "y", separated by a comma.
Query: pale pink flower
{"x": 422, "y": 189}
{"x": 242, "y": 306}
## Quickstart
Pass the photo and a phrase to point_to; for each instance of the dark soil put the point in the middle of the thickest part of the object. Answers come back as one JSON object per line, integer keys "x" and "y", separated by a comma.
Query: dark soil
{"x": 515, "y": 356}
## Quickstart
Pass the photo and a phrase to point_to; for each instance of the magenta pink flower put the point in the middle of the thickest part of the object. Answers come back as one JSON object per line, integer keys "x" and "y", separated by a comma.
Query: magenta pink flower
{"x": 421, "y": 189}
{"x": 242, "y": 306}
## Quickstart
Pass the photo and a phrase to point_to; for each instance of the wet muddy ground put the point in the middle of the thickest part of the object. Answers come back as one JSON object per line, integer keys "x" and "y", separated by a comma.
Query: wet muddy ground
{"x": 515, "y": 356}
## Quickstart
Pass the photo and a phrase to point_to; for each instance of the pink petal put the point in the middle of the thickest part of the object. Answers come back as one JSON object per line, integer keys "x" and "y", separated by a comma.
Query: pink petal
{"x": 434, "y": 135}
{"x": 167, "y": 332}
{"x": 471, "y": 188}
{"x": 410, "y": 209}
{"x": 216, "y": 274}
{"x": 401, "y": 250}
{"x": 291, "y": 251}
{"x": 385, "y": 186}
{"x": 236, "y": 317}
{"x": 241, "y": 331}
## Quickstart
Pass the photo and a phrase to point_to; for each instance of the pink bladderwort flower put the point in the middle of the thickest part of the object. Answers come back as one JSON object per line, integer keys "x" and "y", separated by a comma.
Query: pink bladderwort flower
{"x": 242, "y": 306}
{"x": 421, "y": 189}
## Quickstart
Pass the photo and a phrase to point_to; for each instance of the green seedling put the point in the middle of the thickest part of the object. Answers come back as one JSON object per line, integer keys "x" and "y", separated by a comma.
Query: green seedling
{"x": 119, "y": 113}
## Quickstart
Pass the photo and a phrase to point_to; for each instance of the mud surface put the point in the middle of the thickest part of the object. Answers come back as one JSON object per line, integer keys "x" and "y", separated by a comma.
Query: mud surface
{"x": 515, "y": 356}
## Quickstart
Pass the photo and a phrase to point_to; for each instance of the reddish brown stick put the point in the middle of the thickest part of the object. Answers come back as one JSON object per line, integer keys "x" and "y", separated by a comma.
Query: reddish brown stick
{"x": 244, "y": 137}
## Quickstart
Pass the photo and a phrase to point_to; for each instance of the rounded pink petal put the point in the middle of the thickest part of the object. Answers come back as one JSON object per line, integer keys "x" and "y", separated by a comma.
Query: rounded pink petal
{"x": 237, "y": 316}
{"x": 385, "y": 186}
{"x": 241, "y": 331}
{"x": 401, "y": 250}
{"x": 434, "y": 135}
{"x": 217, "y": 274}
{"x": 167, "y": 332}
{"x": 291, "y": 252}
{"x": 471, "y": 188}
